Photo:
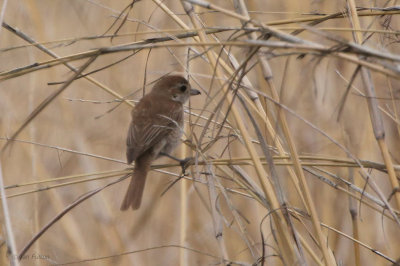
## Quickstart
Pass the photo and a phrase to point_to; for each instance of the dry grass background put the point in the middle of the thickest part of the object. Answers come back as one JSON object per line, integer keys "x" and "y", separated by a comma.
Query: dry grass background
{"x": 322, "y": 196}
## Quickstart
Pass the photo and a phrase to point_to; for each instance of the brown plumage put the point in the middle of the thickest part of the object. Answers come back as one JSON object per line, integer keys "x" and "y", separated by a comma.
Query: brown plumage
{"x": 156, "y": 127}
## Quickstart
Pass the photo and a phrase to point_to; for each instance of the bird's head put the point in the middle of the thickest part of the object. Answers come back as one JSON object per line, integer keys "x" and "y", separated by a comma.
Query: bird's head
{"x": 174, "y": 87}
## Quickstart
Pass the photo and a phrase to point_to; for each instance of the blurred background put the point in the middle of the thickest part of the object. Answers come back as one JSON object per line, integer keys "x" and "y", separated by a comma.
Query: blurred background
{"x": 60, "y": 140}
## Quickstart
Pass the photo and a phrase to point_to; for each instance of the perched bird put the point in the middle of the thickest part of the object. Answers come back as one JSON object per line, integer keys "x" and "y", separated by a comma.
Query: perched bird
{"x": 155, "y": 130}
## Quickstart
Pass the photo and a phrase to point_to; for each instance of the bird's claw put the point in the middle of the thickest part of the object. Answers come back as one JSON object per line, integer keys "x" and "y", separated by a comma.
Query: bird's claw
{"x": 185, "y": 164}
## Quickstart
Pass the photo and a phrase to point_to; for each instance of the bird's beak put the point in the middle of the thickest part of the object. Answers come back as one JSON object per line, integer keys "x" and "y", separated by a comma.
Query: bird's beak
{"x": 194, "y": 92}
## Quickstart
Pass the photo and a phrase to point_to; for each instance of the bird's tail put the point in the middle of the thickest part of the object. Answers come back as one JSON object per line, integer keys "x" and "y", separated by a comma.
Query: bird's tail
{"x": 133, "y": 196}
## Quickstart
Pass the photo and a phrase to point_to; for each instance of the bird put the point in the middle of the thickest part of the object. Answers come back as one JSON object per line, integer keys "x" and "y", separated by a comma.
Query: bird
{"x": 155, "y": 130}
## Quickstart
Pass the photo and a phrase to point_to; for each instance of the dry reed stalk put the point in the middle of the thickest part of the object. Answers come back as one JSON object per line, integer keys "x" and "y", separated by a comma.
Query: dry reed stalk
{"x": 376, "y": 119}
{"x": 355, "y": 222}
{"x": 152, "y": 43}
{"x": 328, "y": 257}
{"x": 8, "y": 239}
{"x": 217, "y": 222}
{"x": 298, "y": 169}
{"x": 394, "y": 106}
{"x": 359, "y": 243}
{"x": 286, "y": 245}
{"x": 378, "y": 129}
{"x": 184, "y": 191}
{"x": 43, "y": 188}
{"x": 182, "y": 31}
{"x": 330, "y": 16}
{"x": 266, "y": 71}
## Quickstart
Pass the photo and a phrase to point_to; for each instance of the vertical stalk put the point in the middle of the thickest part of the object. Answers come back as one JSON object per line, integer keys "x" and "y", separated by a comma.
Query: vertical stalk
{"x": 306, "y": 195}
{"x": 354, "y": 221}
{"x": 183, "y": 254}
{"x": 376, "y": 118}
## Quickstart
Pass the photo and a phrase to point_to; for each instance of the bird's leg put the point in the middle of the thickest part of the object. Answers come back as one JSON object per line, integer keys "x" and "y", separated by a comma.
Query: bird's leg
{"x": 183, "y": 162}
{"x": 170, "y": 156}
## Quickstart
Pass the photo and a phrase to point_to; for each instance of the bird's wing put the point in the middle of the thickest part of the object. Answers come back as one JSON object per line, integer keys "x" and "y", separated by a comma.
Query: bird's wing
{"x": 151, "y": 122}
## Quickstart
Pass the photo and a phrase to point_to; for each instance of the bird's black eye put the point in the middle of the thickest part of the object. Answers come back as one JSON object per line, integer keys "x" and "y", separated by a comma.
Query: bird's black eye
{"x": 183, "y": 88}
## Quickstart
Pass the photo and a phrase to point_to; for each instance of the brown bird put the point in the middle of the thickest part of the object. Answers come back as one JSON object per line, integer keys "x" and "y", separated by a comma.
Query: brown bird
{"x": 155, "y": 130}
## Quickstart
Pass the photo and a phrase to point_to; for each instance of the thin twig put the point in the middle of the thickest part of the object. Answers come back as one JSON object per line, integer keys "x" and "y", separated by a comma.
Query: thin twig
{"x": 65, "y": 211}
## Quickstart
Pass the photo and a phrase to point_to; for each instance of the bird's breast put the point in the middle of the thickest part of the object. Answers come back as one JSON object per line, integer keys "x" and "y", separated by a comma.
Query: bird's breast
{"x": 173, "y": 139}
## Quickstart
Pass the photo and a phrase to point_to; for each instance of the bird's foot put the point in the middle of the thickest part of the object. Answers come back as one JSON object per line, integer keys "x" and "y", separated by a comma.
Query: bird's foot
{"x": 185, "y": 163}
